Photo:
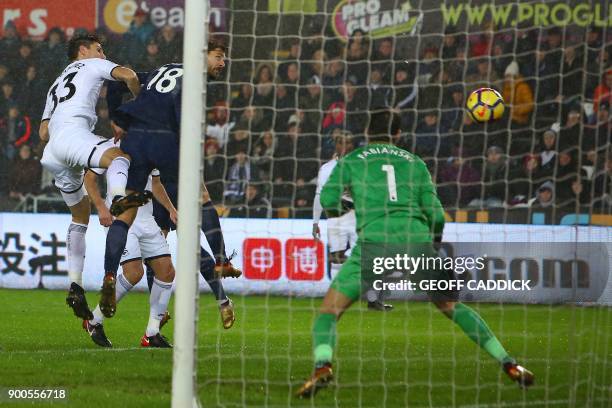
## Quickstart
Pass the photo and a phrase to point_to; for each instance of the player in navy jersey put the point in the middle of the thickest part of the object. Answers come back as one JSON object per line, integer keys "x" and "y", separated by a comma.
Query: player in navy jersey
{"x": 152, "y": 122}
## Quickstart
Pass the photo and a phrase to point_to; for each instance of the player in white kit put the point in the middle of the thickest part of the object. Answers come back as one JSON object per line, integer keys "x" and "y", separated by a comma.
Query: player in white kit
{"x": 145, "y": 242}
{"x": 342, "y": 230}
{"x": 66, "y": 129}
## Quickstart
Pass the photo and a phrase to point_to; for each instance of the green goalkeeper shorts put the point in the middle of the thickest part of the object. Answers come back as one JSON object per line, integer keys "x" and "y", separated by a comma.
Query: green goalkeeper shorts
{"x": 350, "y": 282}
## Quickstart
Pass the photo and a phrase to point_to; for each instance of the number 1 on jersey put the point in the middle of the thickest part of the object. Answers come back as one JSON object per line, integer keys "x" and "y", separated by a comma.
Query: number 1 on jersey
{"x": 390, "y": 170}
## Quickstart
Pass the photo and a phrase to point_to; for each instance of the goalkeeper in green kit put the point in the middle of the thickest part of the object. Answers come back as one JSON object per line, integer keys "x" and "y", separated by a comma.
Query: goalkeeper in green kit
{"x": 395, "y": 202}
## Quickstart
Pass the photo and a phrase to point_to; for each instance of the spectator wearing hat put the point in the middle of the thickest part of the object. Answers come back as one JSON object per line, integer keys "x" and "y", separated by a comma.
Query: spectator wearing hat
{"x": 544, "y": 197}
{"x": 518, "y": 96}
{"x": 256, "y": 205}
{"x": 214, "y": 169}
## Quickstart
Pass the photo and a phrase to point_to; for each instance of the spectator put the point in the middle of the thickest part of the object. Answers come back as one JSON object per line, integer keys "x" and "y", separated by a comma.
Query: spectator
{"x": 567, "y": 169}
{"x": 524, "y": 178}
{"x": 570, "y": 134}
{"x": 315, "y": 64}
{"x": 548, "y": 150}
{"x": 602, "y": 187}
{"x": 244, "y": 99}
{"x": 138, "y": 35}
{"x": 483, "y": 75}
{"x": 548, "y": 88}
{"x": 577, "y": 197}
{"x": 451, "y": 42}
{"x": 572, "y": 85}
{"x": 358, "y": 48}
{"x": 9, "y": 43}
{"x": 603, "y": 92}
{"x": 302, "y": 205}
{"x": 481, "y": 43}
{"x": 7, "y": 97}
{"x": 264, "y": 86}
{"x": 256, "y": 205}
{"x": 599, "y": 133}
{"x": 263, "y": 155}
{"x": 453, "y": 108}
{"x": 15, "y": 131}
{"x": 24, "y": 174}
{"x": 220, "y": 127}
{"x": 285, "y": 104}
{"x": 382, "y": 60}
{"x": 377, "y": 89}
{"x": 30, "y": 100}
{"x": 4, "y": 73}
{"x": 238, "y": 176}
{"x": 458, "y": 181}
{"x": 355, "y": 104}
{"x": 405, "y": 89}
{"x": 52, "y": 55}
{"x": 518, "y": 96}
{"x": 239, "y": 140}
{"x": 214, "y": 170}
{"x": 170, "y": 45}
{"x": 151, "y": 59}
{"x": 20, "y": 64}
{"x": 545, "y": 196}
{"x": 427, "y": 136}
{"x": 252, "y": 118}
{"x": 495, "y": 179}
{"x": 311, "y": 102}
{"x": 292, "y": 63}
{"x": 554, "y": 55}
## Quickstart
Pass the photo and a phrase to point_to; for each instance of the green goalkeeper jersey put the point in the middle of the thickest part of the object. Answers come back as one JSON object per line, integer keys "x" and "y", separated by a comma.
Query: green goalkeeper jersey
{"x": 394, "y": 197}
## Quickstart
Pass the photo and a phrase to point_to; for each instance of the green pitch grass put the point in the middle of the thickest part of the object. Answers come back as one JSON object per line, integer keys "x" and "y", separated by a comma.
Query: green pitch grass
{"x": 410, "y": 357}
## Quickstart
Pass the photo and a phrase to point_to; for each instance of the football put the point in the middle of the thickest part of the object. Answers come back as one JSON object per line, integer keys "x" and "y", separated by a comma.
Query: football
{"x": 485, "y": 104}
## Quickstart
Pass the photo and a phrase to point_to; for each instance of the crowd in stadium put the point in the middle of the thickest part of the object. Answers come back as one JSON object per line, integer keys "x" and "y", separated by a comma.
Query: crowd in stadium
{"x": 266, "y": 138}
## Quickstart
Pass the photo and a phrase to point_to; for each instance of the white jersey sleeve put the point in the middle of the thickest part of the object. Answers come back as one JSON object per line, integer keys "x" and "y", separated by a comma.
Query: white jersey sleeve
{"x": 324, "y": 173}
{"x": 75, "y": 92}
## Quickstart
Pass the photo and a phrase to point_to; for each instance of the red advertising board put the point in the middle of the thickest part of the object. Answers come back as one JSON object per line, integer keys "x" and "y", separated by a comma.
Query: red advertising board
{"x": 304, "y": 259}
{"x": 34, "y": 18}
{"x": 262, "y": 258}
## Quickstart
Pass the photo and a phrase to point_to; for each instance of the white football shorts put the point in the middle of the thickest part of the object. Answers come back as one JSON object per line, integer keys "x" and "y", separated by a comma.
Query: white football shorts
{"x": 145, "y": 241}
{"x": 342, "y": 232}
{"x": 72, "y": 147}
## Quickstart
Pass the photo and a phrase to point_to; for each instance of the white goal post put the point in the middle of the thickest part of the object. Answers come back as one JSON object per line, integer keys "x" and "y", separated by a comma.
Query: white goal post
{"x": 188, "y": 229}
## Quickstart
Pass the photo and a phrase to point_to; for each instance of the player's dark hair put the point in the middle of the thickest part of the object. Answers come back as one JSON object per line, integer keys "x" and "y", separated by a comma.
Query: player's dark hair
{"x": 383, "y": 125}
{"x": 216, "y": 45}
{"x": 75, "y": 43}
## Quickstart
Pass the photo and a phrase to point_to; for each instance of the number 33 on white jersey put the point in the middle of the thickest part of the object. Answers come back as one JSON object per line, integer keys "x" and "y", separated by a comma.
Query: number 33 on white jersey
{"x": 75, "y": 92}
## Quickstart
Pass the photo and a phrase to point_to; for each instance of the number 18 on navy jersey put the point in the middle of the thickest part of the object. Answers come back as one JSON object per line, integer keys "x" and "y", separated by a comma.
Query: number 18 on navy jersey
{"x": 159, "y": 103}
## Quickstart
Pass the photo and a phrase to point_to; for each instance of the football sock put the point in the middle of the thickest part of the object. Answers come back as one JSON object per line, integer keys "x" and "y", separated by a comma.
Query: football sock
{"x": 123, "y": 287}
{"x": 117, "y": 176}
{"x": 476, "y": 329}
{"x": 150, "y": 275}
{"x": 207, "y": 270}
{"x": 158, "y": 301}
{"x": 211, "y": 227}
{"x": 75, "y": 246}
{"x": 115, "y": 244}
{"x": 324, "y": 338}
